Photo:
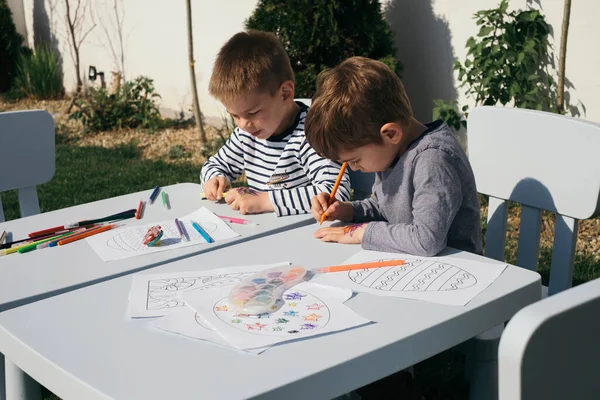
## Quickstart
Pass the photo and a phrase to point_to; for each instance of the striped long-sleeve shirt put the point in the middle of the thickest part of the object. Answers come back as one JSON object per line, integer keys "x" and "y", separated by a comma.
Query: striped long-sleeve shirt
{"x": 284, "y": 165}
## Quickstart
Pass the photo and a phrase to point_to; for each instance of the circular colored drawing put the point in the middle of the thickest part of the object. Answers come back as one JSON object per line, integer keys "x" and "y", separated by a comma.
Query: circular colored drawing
{"x": 414, "y": 276}
{"x": 302, "y": 313}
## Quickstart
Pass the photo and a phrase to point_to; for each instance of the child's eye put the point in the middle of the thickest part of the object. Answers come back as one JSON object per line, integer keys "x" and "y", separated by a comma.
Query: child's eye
{"x": 254, "y": 112}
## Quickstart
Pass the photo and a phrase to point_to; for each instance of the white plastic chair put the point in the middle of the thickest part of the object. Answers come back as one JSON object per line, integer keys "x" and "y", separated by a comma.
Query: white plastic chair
{"x": 543, "y": 161}
{"x": 549, "y": 350}
{"x": 361, "y": 183}
{"x": 26, "y": 156}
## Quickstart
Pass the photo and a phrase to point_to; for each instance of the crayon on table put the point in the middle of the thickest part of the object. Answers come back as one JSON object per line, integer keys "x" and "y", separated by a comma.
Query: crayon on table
{"x": 367, "y": 265}
{"x": 140, "y": 209}
{"x": 233, "y": 220}
{"x": 85, "y": 234}
{"x": 164, "y": 200}
{"x": 202, "y": 232}
{"x": 154, "y": 194}
{"x": 182, "y": 235}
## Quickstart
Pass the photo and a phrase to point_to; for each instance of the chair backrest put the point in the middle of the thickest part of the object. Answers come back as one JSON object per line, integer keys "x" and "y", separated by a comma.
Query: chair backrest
{"x": 362, "y": 183}
{"x": 26, "y": 156}
{"x": 545, "y": 162}
{"x": 549, "y": 350}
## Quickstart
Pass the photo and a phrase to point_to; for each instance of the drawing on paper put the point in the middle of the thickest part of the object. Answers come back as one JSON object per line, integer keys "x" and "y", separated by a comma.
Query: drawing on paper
{"x": 308, "y": 313}
{"x": 415, "y": 276}
{"x": 132, "y": 239}
{"x": 163, "y": 293}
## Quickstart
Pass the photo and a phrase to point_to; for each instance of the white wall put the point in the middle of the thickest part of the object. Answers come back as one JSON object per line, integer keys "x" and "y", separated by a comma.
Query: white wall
{"x": 156, "y": 42}
{"x": 429, "y": 34}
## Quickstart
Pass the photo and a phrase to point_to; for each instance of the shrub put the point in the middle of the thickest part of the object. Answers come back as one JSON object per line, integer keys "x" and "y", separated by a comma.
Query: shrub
{"x": 39, "y": 74}
{"x": 507, "y": 63}
{"x": 133, "y": 106}
{"x": 10, "y": 47}
{"x": 318, "y": 34}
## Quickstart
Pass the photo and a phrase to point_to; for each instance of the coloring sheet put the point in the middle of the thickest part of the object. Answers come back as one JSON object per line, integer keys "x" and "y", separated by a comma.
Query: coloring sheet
{"x": 444, "y": 280}
{"x": 185, "y": 321}
{"x": 307, "y": 310}
{"x": 128, "y": 242}
{"x": 155, "y": 295}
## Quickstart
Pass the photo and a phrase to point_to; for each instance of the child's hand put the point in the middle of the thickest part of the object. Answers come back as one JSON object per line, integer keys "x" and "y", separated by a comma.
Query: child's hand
{"x": 249, "y": 201}
{"x": 351, "y": 234}
{"x": 338, "y": 210}
{"x": 214, "y": 187}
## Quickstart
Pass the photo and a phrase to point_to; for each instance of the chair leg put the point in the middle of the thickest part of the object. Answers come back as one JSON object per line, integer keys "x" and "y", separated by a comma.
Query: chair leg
{"x": 2, "y": 375}
{"x": 19, "y": 385}
{"x": 482, "y": 364}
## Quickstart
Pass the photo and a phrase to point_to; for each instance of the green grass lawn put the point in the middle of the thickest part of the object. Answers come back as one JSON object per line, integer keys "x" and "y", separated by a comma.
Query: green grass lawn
{"x": 85, "y": 174}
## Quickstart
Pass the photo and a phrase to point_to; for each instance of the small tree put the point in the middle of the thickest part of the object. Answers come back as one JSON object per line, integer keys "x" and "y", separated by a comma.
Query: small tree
{"x": 507, "y": 63}
{"x": 191, "y": 61}
{"x": 76, "y": 11}
{"x": 318, "y": 34}
{"x": 508, "y": 60}
{"x": 560, "y": 96}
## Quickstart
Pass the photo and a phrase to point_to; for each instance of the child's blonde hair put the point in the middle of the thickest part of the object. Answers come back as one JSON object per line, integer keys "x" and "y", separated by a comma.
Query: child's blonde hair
{"x": 352, "y": 102}
{"x": 250, "y": 60}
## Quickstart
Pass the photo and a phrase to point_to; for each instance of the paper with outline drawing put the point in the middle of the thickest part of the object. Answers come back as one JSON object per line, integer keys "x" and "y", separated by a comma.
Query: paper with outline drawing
{"x": 309, "y": 310}
{"x": 444, "y": 280}
{"x": 155, "y": 295}
{"x": 127, "y": 242}
{"x": 185, "y": 321}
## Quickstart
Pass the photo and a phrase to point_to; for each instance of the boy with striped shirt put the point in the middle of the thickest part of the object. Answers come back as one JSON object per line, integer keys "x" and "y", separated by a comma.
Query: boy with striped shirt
{"x": 253, "y": 78}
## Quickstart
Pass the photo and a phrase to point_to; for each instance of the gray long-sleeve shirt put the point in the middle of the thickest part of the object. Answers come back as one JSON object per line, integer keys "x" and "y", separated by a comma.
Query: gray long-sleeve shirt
{"x": 426, "y": 201}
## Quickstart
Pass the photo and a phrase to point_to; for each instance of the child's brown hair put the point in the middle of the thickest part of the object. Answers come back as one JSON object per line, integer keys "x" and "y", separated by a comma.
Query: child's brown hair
{"x": 352, "y": 102}
{"x": 250, "y": 60}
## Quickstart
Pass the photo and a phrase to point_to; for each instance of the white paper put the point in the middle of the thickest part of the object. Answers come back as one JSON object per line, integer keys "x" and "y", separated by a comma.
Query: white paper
{"x": 185, "y": 321}
{"x": 128, "y": 242}
{"x": 155, "y": 295}
{"x": 309, "y": 310}
{"x": 444, "y": 280}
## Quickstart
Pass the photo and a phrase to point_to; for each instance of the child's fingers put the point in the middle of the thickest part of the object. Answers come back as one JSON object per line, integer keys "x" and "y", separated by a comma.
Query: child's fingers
{"x": 210, "y": 190}
{"x": 230, "y": 197}
{"x": 221, "y": 186}
{"x": 323, "y": 199}
{"x": 323, "y": 232}
{"x": 316, "y": 209}
{"x": 333, "y": 211}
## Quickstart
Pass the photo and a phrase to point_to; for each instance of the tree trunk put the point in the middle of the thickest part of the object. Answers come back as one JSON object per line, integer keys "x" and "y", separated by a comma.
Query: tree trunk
{"x": 195, "y": 104}
{"x": 71, "y": 23}
{"x": 560, "y": 97}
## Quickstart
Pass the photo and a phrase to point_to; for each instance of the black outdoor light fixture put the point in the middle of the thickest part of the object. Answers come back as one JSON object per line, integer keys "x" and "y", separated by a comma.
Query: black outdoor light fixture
{"x": 93, "y": 73}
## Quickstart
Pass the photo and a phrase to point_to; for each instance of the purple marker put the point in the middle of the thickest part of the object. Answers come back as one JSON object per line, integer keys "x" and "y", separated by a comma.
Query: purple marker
{"x": 182, "y": 235}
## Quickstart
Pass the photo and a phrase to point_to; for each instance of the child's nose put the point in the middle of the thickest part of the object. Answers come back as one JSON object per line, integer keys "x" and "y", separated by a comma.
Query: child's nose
{"x": 245, "y": 124}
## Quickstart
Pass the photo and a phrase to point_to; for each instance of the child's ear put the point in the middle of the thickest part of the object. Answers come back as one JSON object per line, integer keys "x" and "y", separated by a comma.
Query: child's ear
{"x": 287, "y": 91}
{"x": 391, "y": 132}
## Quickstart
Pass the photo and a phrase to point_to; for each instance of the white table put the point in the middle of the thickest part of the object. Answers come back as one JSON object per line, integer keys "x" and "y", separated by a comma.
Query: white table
{"x": 29, "y": 277}
{"x": 81, "y": 346}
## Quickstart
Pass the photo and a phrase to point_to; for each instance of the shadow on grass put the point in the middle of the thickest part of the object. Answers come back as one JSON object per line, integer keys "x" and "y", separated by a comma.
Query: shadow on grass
{"x": 86, "y": 174}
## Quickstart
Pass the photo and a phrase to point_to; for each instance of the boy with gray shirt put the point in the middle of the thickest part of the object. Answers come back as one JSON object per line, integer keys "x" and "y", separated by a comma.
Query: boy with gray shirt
{"x": 424, "y": 196}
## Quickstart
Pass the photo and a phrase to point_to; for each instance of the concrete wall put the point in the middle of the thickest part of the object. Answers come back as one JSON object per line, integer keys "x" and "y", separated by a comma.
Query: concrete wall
{"x": 429, "y": 34}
